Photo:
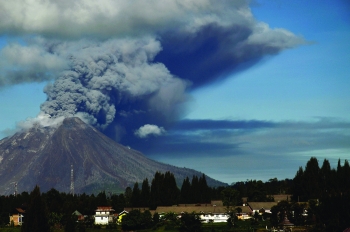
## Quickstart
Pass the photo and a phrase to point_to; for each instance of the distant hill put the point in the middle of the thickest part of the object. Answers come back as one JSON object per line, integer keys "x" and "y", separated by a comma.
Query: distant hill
{"x": 44, "y": 155}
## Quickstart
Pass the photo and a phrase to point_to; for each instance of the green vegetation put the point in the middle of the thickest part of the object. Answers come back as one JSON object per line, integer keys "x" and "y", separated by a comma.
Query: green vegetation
{"x": 320, "y": 202}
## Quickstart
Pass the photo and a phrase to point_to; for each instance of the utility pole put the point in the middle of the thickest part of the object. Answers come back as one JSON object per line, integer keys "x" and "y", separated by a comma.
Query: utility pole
{"x": 15, "y": 189}
{"x": 71, "y": 180}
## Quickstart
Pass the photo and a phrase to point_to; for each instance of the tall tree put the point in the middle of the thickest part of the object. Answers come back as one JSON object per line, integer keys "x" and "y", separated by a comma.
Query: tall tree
{"x": 171, "y": 189}
{"x": 135, "y": 196}
{"x": 195, "y": 190}
{"x": 156, "y": 190}
{"x": 230, "y": 198}
{"x": 185, "y": 193}
{"x": 36, "y": 218}
{"x": 145, "y": 193}
{"x": 298, "y": 186}
{"x": 164, "y": 190}
{"x": 312, "y": 178}
{"x": 127, "y": 196}
{"x": 326, "y": 177}
{"x": 204, "y": 191}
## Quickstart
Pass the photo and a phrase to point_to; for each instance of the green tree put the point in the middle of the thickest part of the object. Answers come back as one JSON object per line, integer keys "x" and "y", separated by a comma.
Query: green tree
{"x": 101, "y": 199}
{"x": 145, "y": 193}
{"x": 204, "y": 191}
{"x": 146, "y": 219}
{"x": 135, "y": 196}
{"x": 185, "y": 193}
{"x": 127, "y": 196}
{"x": 135, "y": 220}
{"x": 195, "y": 192}
{"x": 256, "y": 191}
{"x": 70, "y": 222}
{"x": 164, "y": 190}
{"x": 132, "y": 221}
{"x": 312, "y": 179}
{"x": 155, "y": 218}
{"x": 53, "y": 200}
{"x": 298, "y": 186}
{"x": 36, "y": 218}
{"x": 190, "y": 223}
{"x": 230, "y": 198}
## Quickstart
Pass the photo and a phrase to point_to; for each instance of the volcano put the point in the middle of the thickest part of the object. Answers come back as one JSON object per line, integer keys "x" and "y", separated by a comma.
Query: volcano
{"x": 48, "y": 156}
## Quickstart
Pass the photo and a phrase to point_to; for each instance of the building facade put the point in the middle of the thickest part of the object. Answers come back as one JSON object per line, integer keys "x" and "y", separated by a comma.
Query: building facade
{"x": 104, "y": 215}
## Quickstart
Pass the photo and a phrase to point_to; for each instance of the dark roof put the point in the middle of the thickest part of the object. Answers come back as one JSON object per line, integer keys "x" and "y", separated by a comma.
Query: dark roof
{"x": 18, "y": 210}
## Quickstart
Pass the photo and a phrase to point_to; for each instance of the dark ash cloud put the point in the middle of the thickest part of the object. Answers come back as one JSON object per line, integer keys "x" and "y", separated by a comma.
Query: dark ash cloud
{"x": 213, "y": 51}
{"x": 113, "y": 80}
{"x": 120, "y": 65}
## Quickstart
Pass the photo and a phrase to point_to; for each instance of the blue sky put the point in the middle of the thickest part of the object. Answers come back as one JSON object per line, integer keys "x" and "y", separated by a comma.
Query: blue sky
{"x": 247, "y": 107}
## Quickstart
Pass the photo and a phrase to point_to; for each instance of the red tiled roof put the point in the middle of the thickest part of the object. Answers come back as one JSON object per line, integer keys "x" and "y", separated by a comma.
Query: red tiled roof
{"x": 104, "y": 208}
{"x": 20, "y": 210}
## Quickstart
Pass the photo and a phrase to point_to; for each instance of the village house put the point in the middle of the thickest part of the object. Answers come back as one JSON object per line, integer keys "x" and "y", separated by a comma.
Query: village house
{"x": 214, "y": 218}
{"x": 79, "y": 216}
{"x": 16, "y": 217}
{"x": 104, "y": 215}
{"x": 209, "y": 213}
{"x": 261, "y": 207}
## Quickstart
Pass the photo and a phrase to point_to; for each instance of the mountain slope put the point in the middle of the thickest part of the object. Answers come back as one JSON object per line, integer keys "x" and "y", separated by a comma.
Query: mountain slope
{"x": 44, "y": 156}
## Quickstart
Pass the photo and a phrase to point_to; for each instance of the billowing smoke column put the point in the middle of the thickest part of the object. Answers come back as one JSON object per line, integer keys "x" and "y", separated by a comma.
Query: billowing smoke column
{"x": 114, "y": 79}
{"x": 121, "y": 65}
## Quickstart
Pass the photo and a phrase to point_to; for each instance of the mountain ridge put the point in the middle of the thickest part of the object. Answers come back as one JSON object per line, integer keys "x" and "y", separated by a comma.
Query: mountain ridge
{"x": 44, "y": 155}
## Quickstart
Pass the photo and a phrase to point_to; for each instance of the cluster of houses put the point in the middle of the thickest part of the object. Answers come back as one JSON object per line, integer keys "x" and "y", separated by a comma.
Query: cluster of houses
{"x": 209, "y": 213}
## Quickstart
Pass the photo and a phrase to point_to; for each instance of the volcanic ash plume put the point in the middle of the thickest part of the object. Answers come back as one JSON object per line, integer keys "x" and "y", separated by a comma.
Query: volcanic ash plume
{"x": 113, "y": 79}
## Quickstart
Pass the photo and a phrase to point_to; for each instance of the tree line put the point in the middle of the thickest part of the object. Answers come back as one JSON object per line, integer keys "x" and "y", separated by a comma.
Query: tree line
{"x": 164, "y": 191}
{"x": 314, "y": 182}
{"x": 323, "y": 192}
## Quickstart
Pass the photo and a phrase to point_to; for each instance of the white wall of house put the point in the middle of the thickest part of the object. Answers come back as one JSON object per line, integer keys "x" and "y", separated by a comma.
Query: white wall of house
{"x": 206, "y": 218}
{"x": 103, "y": 217}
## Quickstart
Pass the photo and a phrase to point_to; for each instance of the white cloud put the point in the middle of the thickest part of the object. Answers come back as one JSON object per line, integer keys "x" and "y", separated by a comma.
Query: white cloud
{"x": 148, "y": 129}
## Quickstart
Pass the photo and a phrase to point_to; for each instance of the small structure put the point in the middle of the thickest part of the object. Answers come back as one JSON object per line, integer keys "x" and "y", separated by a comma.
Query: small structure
{"x": 261, "y": 207}
{"x": 16, "y": 217}
{"x": 104, "y": 215}
{"x": 80, "y": 217}
{"x": 121, "y": 215}
{"x": 243, "y": 216}
{"x": 286, "y": 223}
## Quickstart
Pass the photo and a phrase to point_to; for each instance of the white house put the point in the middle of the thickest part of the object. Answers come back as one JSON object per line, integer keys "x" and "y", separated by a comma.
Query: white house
{"x": 261, "y": 207}
{"x": 104, "y": 215}
{"x": 221, "y": 217}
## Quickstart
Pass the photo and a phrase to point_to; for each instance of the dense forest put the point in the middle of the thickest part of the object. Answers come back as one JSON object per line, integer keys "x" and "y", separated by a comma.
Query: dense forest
{"x": 323, "y": 192}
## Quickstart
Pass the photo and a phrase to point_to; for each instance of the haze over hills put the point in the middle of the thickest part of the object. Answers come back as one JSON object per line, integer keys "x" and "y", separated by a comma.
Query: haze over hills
{"x": 44, "y": 155}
